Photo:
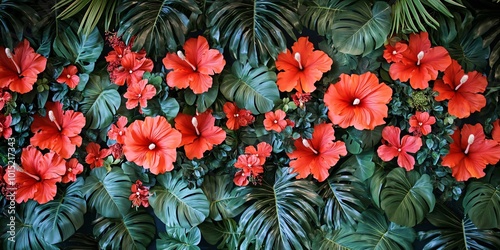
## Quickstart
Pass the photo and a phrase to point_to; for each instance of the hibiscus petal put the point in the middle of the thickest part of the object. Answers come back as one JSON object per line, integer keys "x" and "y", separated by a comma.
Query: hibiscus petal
{"x": 406, "y": 161}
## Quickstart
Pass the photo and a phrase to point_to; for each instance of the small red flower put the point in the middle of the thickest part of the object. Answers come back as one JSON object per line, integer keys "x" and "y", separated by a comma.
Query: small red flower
{"x": 4, "y": 99}
{"x": 73, "y": 168}
{"x": 132, "y": 68}
{"x": 240, "y": 179}
{"x": 300, "y": 99}
{"x": 262, "y": 151}
{"x": 95, "y": 155}
{"x": 250, "y": 165}
{"x": 116, "y": 150}
{"x": 140, "y": 195}
{"x": 5, "y": 129}
{"x": 394, "y": 54}
{"x": 139, "y": 93}
{"x": 275, "y": 120}
{"x": 69, "y": 76}
{"x": 237, "y": 117}
{"x": 393, "y": 147}
{"x": 117, "y": 132}
{"x": 420, "y": 123}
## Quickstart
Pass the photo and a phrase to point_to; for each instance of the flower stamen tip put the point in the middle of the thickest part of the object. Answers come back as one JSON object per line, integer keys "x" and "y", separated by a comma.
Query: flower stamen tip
{"x": 152, "y": 146}
{"x": 420, "y": 56}
{"x": 356, "y": 101}
{"x": 297, "y": 58}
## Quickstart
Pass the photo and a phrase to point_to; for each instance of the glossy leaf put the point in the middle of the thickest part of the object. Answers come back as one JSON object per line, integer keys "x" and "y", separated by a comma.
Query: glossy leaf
{"x": 320, "y": 15}
{"x": 101, "y": 101}
{"x": 225, "y": 234}
{"x": 482, "y": 205}
{"x": 178, "y": 238}
{"x": 15, "y": 16}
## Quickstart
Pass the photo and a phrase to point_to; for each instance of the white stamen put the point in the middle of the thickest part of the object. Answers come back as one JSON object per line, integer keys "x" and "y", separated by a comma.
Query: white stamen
{"x": 307, "y": 145}
{"x": 120, "y": 132}
{"x": 70, "y": 169}
{"x": 194, "y": 121}
{"x": 52, "y": 118}
{"x": 152, "y": 146}
{"x": 462, "y": 81}
{"x": 130, "y": 71}
{"x": 236, "y": 115}
{"x": 470, "y": 140}
{"x": 399, "y": 149}
{"x": 11, "y": 57}
{"x": 68, "y": 76}
{"x": 356, "y": 101}
{"x": 137, "y": 193}
{"x": 394, "y": 52}
{"x": 420, "y": 56}
{"x": 420, "y": 124}
{"x": 297, "y": 58}
{"x": 183, "y": 57}
{"x": 21, "y": 170}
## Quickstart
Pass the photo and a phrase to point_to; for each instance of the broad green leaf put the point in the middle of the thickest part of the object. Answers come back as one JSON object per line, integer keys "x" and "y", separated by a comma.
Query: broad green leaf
{"x": 363, "y": 163}
{"x": 375, "y": 232}
{"x": 15, "y": 16}
{"x": 134, "y": 231}
{"x": 59, "y": 219}
{"x": 377, "y": 182}
{"x": 320, "y": 15}
{"x": 82, "y": 50}
{"x": 225, "y": 234}
{"x": 108, "y": 192}
{"x": 361, "y": 29}
{"x": 170, "y": 107}
{"x": 282, "y": 215}
{"x": 470, "y": 53}
{"x": 179, "y": 238}
{"x": 204, "y": 100}
{"x": 482, "y": 205}
{"x": 100, "y": 102}
{"x": 177, "y": 205}
{"x": 366, "y": 138}
{"x": 226, "y": 199}
{"x": 407, "y": 197}
{"x": 254, "y": 89}
{"x": 328, "y": 239}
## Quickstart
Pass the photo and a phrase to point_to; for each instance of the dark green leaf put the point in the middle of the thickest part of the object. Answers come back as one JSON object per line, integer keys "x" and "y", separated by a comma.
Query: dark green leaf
{"x": 100, "y": 102}
{"x": 482, "y": 205}
{"x": 225, "y": 234}
{"x": 170, "y": 107}
{"x": 320, "y": 15}
{"x": 178, "y": 238}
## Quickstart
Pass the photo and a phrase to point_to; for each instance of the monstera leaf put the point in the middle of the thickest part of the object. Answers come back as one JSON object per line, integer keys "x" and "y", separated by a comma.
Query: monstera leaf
{"x": 81, "y": 49}
{"x": 205, "y": 100}
{"x": 362, "y": 29}
{"x": 456, "y": 232}
{"x": 482, "y": 205}
{"x": 282, "y": 215}
{"x": 254, "y": 89}
{"x": 108, "y": 192}
{"x": 407, "y": 197}
{"x": 225, "y": 234}
{"x": 155, "y": 25}
{"x": 134, "y": 231}
{"x": 328, "y": 239}
{"x": 320, "y": 15}
{"x": 59, "y": 219}
{"x": 15, "y": 16}
{"x": 254, "y": 30}
{"x": 177, "y": 205}
{"x": 226, "y": 199}
{"x": 100, "y": 102}
{"x": 178, "y": 238}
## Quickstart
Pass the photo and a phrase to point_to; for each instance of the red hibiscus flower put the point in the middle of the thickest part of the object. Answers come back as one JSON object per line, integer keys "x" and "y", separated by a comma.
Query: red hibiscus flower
{"x": 237, "y": 117}
{"x": 393, "y": 147}
{"x": 318, "y": 154}
{"x": 4, "y": 99}
{"x": 394, "y": 53}
{"x": 463, "y": 90}
{"x": 73, "y": 168}
{"x": 495, "y": 133}
{"x": 420, "y": 123}
{"x": 470, "y": 152}
{"x": 132, "y": 68}
{"x": 140, "y": 195}
{"x": 117, "y": 132}
{"x": 69, "y": 76}
{"x": 240, "y": 179}
{"x": 139, "y": 93}
{"x": 5, "y": 129}
{"x": 302, "y": 67}
{"x": 358, "y": 100}
{"x": 199, "y": 133}
{"x": 59, "y": 130}
{"x": 300, "y": 99}
{"x": 420, "y": 63}
{"x": 19, "y": 70}
{"x": 116, "y": 150}
{"x": 262, "y": 151}
{"x": 275, "y": 120}
{"x": 194, "y": 68}
{"x": 250, "y": 165}
{"x": 152, "y": 144}
{"x": 95, "y": 155}
{"x": 38, "y": 175}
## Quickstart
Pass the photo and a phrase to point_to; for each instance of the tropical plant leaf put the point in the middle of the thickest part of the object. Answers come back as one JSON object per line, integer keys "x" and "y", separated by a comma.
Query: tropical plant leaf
{"x": 361, "y": 29}
{"x": 375, "y": 232}
{"x": 456, "y": 233}
{"x": 366, "y": 138}
{"x": 407, "y": 197}
{"x": 225, "y": 234}
{"x": 482, "y": 205}
{"x": 101, "y": 101}
{"x": 345, "y": 196}
{"x": 282, "y": 215}
{"x": 25, "y": 235}
{"x": 95, "y": 10}
{"x": 226, "y": 199}
{"x": 157, "y": 26}
{"x": 15, "y": 16}
{"x": 320, "y": 15}
{"x": 328, "y": 239}
{"x": 134, "y": 231}
{"x": 179, "y": 238}
{"x": 203, "y": 101}
{"x": 486, "y": 23}
{"x": 263, "y": 33}
{"x": 363, "y": 163}
{"x": 254, "y": 89}
{"x": 469, "y": 52}
{"x": 59, "y": 219}
{"x": 80, "y": 49}
{"x": 177, "y": 205}
{"x": 108, "y": 192}
{"x": 170, "y": 107}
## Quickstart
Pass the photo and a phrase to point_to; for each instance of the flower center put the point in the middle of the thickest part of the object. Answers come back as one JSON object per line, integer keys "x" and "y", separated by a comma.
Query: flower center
{"x": 275, "y": 121}
{"x": 463, "y": 80}
{"x": 130, "y": 71}
{"x": 236, "y": 115}
{"x": 194, "y": 121}
{"x": 52, "y": 118}
{"x": 68, "y": 76}
{"x": 183, "y": 57}
{"x": 120, "y": 132}
{"x": 70, "y": 169}
{"x": 394, "y": 52}
{"x": 21, "y": 170}
{"x": 139, "y": 95}
{"x": 307, "y": 145}
{"x": 137, "y": 193}
{"x": 470, "y": 140}
{"x": 119, "y": 56}
{"x": 420, "y": 124}
{"x": 356, "y": 102}
{"x": 297, "y": 58}
{"x": 420, "y": 55}
{"x": 9, "y": 55}
{"x": 1, "y": 129}
{"x": 152, "y": 146}
{"x": 399, "y": 149}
